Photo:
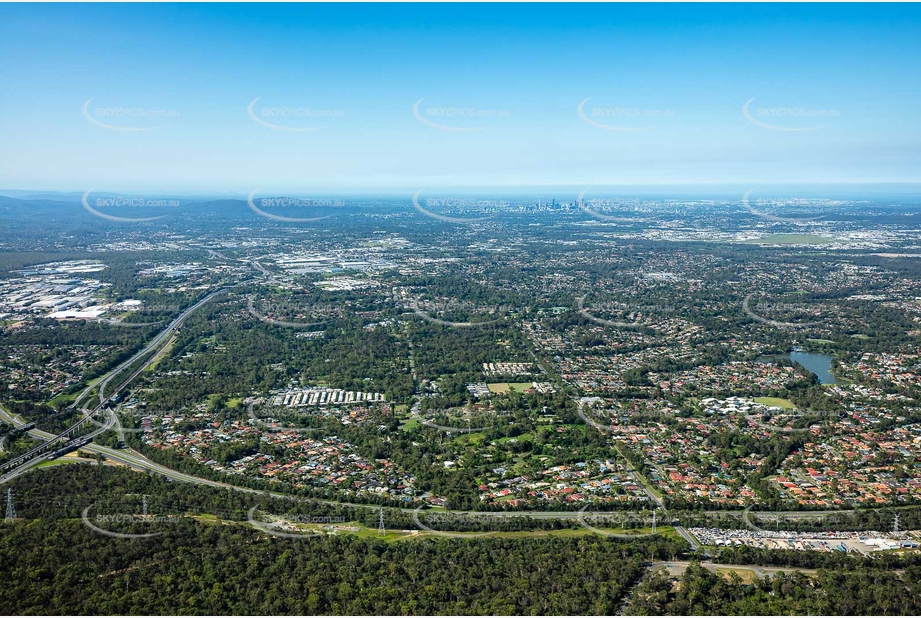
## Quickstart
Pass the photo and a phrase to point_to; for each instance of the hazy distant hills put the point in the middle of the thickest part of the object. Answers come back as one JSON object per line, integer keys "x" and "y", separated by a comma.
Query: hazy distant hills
{"x": 71, "y": 207}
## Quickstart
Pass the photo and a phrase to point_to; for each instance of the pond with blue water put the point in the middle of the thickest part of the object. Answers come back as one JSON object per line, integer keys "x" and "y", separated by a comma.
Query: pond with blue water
{"x": 819, "y": 364}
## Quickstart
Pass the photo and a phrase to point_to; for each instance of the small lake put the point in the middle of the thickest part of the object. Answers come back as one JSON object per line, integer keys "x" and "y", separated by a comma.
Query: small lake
{"x": 819, "y": 364}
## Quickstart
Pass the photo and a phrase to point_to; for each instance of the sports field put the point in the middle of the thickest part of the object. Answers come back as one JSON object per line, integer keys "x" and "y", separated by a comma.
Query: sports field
{"x": 776, "y": 402}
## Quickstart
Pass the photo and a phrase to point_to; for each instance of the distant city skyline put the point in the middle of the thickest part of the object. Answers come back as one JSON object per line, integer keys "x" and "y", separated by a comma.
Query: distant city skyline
{"x": 227, "y": 99}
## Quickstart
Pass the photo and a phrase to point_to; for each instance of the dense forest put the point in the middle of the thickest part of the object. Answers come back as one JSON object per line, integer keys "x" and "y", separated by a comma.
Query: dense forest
{"x": 58, "y": 567}
{"x": 54, "y": 564}
{"x": 700, "y": 591}
{"x": 207, "y": 560}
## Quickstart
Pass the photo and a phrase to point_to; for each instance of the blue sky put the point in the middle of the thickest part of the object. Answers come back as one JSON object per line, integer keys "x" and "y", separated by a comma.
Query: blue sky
{"x": 835, "y": 87}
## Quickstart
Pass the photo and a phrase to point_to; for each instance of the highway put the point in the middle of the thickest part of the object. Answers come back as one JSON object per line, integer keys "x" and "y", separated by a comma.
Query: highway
{"x": 136, "y": 460}
{"x": 217, "y": 254}
{"x": 112, "y": 420}
{"x": 268, "y": 320}
{"x": 13, "y": 463}
{"x": 154, "y": 343}
{"x": 261, "y": 268}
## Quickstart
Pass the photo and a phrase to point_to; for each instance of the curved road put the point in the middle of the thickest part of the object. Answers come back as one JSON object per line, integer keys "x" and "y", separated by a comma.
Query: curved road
{"x": 112, "y": 421}
{"x": 134, "y": 459}
{"x": 687, "y": 536}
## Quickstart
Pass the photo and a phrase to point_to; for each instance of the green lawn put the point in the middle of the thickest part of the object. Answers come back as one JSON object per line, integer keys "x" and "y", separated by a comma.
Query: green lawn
{"x": 504, "y": 387}
{"x": 786, "y": 404}
{"x": 475, "y": 437}
{"x": 160, "y": 354}
{"x": 393, "y": 535}
{"x": 60, "y": 461}
{"x": 521, "y": 386}
{"x": 62, "y": 398}
{"x": 410, "y": 424}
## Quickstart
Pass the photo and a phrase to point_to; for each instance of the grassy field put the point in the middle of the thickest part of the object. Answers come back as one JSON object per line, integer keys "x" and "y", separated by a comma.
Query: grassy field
{"x": 475, "y": 437}
{"x": 519, "y": 438}
{"x": 74, "y": 458}
{"x": 410, "y": 424}
{"x": 391, "y": 535}
{"x": 504, "y": 387}
{"x": 786, "y": 404}
{"x": 61, "y": 461}
{"x": 62, "y": 398}
{"x": 67, "y": 398}
{"x": 161, "y": 354}
{"x": 748, "y": 576}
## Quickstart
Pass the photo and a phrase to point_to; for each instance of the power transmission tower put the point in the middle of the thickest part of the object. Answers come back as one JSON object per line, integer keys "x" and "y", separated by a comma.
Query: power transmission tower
{"x": 895, "y": 524}
{"x": 380, "y": 522}
{"x": 10, "y": 509}
{"x": 145, "y": 504}
{"x": 654, "y": 521}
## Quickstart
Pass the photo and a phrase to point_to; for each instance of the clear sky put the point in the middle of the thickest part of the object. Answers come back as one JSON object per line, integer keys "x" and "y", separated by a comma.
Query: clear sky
{"x": 836, "y": 93}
